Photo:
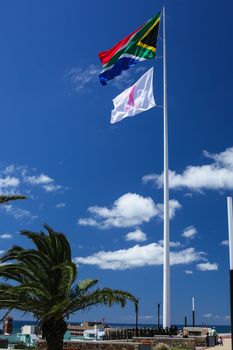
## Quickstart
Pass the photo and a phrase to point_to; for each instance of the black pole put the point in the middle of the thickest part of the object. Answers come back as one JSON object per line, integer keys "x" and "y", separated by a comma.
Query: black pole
{"x": 193, "y": 318}
{"x": 185, "y": 321}
{"x": 231, "y": 303}
{"x": 136, "y": 312}
{"x": 158, "y": 315}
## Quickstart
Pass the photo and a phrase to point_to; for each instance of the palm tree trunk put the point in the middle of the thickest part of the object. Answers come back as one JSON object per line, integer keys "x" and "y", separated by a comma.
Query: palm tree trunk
{"x": 53, "y": 331}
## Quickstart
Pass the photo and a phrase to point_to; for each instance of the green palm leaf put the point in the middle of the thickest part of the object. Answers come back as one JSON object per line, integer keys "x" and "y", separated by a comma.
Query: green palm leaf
{"x": 45, "y": 284}
{"x": 7, "y": 197}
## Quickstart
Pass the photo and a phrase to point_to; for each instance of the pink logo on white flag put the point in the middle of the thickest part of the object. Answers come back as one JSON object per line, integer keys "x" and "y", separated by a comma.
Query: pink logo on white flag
{"x": 134, "y": 100}
{"x": 131, "y": 98}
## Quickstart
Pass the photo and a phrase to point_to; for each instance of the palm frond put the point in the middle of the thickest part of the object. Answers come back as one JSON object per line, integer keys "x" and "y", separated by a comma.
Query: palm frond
{"x": 7, "y": 197}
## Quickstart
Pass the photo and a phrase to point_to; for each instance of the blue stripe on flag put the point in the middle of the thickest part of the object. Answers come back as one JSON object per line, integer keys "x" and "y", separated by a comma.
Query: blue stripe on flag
{"x": 121, "y": 64}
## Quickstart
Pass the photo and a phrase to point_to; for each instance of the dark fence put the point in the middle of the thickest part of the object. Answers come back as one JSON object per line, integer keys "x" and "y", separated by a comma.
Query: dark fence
{"x": 129, "y": 333}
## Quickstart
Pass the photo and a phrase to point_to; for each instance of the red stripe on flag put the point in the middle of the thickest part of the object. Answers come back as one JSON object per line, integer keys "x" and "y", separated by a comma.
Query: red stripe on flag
{"x": 105, "y": 56}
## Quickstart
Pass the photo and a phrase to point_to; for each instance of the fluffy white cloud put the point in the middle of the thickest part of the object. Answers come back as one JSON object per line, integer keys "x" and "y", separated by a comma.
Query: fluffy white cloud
{"x": 61, "y": 205}
{"x": 51, "y": 188}
{"x": 39, "y": 179}
{"x": 188, "y": 272}
{"x": 136, "y": 235}
{"x": 172, "y": 244}
{"x": 6, "y": 236}
{"x": 138, "y": 256}
{"x": 207, "y": 266}
{"x": 189, "y": 232}
{"x": 174, "y": 205}
{"x": 43, "y": 180}
{"x": 9, "y": 183}
{"x": 226, "y": 242}
{"x": 20, "y": 179}
{"x": 215, "y": 176}
{"x": 209, "y": 315}
{"x": 131, "y": 209}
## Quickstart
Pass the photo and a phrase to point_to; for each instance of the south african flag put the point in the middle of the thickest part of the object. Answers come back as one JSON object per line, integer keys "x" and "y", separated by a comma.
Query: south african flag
{"x": 137, "y": 46}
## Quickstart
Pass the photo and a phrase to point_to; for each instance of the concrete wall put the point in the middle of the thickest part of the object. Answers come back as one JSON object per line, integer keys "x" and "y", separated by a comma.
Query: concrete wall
{"x": 136, "y": 344}
{"x": 101, "y": 346}
{"x": 92, "y": 345}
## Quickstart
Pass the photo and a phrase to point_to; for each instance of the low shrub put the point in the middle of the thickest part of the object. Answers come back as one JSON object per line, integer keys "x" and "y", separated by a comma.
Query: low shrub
{"x": 162, "y": 346}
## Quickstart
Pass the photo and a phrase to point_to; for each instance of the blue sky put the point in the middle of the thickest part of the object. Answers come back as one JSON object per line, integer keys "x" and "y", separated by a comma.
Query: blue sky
{"x": 101, "y": 183}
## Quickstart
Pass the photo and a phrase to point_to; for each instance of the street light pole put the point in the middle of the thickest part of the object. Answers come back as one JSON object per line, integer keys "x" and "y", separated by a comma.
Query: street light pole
{"x": 158, "y": 315}
{"x": 136, "y": 314}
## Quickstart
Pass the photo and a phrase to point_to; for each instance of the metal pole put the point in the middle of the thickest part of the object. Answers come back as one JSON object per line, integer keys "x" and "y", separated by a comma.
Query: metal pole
{"x": 136, "y": 313}
{"x": 185, "y": 321}
{"x": 158, "y": 315}
{"x": 230, "y": 234}
{"x": 193, "y": 309}
{"x": 166, "y": 235}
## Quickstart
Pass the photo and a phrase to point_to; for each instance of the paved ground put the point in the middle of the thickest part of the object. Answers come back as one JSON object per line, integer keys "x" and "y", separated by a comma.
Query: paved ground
{"x": 226, "y": 345}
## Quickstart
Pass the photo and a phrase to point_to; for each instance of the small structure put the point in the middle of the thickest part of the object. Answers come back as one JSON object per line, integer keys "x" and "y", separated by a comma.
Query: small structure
{"x": 28, "y": 335}
{"x": 196, "y": 331}
{"x": 8, "y": 325}
{"x": 97, "y": 333}
{"x": 78, "y": 330}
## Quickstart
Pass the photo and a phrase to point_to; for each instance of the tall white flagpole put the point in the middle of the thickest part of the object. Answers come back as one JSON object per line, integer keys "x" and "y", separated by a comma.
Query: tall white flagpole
{"x": 230, "y": 233}
{"x": 166, "y": 235}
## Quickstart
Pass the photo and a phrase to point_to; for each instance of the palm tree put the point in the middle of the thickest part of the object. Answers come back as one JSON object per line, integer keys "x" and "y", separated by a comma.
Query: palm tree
{"x": 7, "y": 197}
{"x": 45, "y": 284}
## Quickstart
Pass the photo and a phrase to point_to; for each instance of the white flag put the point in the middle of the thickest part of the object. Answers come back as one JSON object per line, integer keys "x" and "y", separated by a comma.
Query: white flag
{"x": 136, "y": 99}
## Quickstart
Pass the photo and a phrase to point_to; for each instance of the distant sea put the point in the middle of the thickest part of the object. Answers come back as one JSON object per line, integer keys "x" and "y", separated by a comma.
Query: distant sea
{"x": 18, "y": 324}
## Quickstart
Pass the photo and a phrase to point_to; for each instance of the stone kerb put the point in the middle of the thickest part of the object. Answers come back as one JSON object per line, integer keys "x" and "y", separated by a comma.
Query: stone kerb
{"x": 93, "y": 345}
{"x": 105, "y": 345}
{"x": 175, "y": 342}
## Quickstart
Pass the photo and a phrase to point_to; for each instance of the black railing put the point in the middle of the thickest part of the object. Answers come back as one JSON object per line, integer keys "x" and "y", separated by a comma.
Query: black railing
{"x": 129, "y": 333}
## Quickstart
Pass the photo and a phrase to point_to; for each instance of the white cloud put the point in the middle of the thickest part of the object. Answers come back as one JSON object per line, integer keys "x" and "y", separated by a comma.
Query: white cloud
{"x": 126, "y": 78}
{"x": 207, "y": 266}
{"x": 217, "y": 317}
{"x": 39, "y": 179}
{"x": 61, "y": 205}
{"x": 172, "y": 244}
{"x": 136, "y": 235}
{"x": 226, "y": 242}
{"x": 215, "y": 176}
{"x": 21, "y": 179}
{"x": 189, "y": 195}
{"x": 145, "y": 317}
{"x": 81, "y": 78}
{"x": 9, "y": 183}
{"x": 6, "y": 236}
{"x": 131, "y": 209}
{"x": 18, "y": 213}
{"x": 189, "y": 232}
{"x": 138, "y": 256}
{"x": 209, "y": 315}
{"x": 51, "y": 188}
{"x": 188, "y": 272}
{"x": 89, "y": 222}
{"x": 174, "y": 205}
{"x": 141, "y": 318}
{"x": 43, "y": 180}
